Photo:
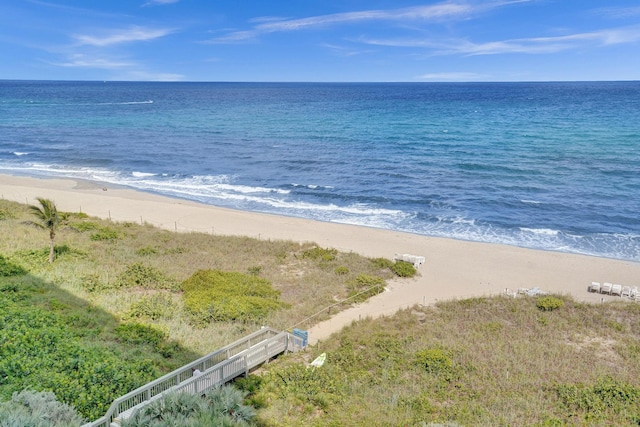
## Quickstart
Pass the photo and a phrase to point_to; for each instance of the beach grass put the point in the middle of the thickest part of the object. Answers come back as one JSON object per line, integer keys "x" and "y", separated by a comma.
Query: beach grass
{"x": 484, "y": 361}
{"x": 114, "y": 291}
{"x": 473, "y": 362}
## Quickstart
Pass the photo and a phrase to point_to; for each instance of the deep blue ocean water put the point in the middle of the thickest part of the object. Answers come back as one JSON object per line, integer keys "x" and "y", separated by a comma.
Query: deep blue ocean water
{"x": 553, "y": 166}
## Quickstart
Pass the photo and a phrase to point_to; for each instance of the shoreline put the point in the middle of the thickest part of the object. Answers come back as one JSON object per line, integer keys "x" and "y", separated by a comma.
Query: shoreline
{"x": 453, "y": 268}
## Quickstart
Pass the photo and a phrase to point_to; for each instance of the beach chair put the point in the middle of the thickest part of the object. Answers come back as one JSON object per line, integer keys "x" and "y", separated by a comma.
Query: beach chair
{"x": 616, "y": 290}
{"x": 594, "y": 287}
{"x": 633, "y": 293}
{"x": 606, "y": 288}
{"x": 626, "y": 291}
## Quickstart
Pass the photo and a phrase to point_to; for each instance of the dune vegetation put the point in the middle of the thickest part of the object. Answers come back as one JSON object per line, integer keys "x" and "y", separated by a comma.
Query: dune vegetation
{"x": 121, "y": 305}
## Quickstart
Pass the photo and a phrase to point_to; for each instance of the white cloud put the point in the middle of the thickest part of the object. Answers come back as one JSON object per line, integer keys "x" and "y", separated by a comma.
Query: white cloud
{"x": 436, "y": 12}
{"x": 82, "y": 61}
{"x": 132, "y": 34}
{"x": 534, "y": 45}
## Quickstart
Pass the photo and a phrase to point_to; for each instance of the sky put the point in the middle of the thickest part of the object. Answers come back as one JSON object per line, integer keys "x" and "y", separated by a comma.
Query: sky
{"x": 320, "y": 40}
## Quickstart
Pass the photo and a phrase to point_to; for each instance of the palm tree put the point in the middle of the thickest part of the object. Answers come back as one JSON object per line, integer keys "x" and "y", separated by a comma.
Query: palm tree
{"x": 48, "y": 218}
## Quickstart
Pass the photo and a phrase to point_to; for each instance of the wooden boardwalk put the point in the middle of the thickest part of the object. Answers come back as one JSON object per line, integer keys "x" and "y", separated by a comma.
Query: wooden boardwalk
{"x": 215, "y": 369}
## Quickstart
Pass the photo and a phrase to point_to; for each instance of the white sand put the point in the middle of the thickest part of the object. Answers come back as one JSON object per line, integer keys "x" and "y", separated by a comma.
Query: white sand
{"x": 453, "y": 269}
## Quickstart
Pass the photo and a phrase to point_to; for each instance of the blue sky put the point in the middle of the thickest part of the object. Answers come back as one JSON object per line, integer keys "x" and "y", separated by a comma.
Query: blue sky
{"x": 321, "y": 40}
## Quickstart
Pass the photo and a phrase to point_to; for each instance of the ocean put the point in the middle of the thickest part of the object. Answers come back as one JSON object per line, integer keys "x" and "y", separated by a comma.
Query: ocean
{"x": 552, "y": 166}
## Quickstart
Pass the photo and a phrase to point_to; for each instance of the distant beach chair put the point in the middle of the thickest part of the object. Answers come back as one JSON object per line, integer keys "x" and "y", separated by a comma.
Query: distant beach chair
{"x": 536, "y": 291}
{"x": 626, "y": 291}
{"x": 633, "y": 293}
{"x": 594, "y": 287}
{"x": 523, "y": 291}
{"x": 606, "y": 288}
{"x": 616, "y": 290}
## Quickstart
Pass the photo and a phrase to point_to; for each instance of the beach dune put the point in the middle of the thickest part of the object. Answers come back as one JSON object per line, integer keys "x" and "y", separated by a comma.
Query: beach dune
{"x": 453, "y": 268}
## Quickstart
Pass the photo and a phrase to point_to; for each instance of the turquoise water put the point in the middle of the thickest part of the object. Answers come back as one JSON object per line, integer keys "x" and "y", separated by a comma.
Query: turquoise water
{"x": 552, "y": 166}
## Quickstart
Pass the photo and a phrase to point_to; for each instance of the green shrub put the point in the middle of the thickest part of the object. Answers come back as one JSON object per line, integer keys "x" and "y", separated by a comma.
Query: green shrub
{"x": 222, "y": 406}
{"x": 147, "y": 251}
{"x": 92, "y": 283}
{"x": 105, "y": 233}
{"x": 382, "y": 262}
{"x": 549, "y": 303}
{"x": 436, "y": 361}
{"x": 6, "y": 213}
{"x": 137, "y": 333}
{"x": 607, "y": 396}
{"x": 85, "y": 226}
{"x": 138, "y": 274}
{"x": 154, "y": 307}
{"x": 33, "y": 258}
{"x": 341, "y": 270}
{"x": 320, "y": 254}
{"x": 302, "y": 386}
{"x": 403, "y": 269}
{"x": 8, "y": 268}
{"x": 365, "y": 286}
{"x": 213, "y": 295}
{"x": 37, "y": 409}
{"x": 255, "y": 270}
{"x": 41, "y": 350}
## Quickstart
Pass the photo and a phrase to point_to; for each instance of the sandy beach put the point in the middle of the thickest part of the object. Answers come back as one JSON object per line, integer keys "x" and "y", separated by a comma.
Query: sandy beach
{"x": 453, "y": 269}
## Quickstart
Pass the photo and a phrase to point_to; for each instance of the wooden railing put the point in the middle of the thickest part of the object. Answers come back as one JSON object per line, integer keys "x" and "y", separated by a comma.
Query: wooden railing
{"x": 216, "y": 369}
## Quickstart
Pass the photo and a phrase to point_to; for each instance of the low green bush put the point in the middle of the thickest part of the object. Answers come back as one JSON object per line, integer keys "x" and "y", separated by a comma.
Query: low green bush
{"x": 254, "y": 270}
{"x": 434, "y": 360}
{"x": 607, "y": 396}
{"x": 223, "y": 406}
{"x": 214, "y": 295}
{"x": 6, "y": 213}
{"x": 382, "y": 262}
{"x": 137, "y": 333}
{"x": 85, "y": 226}
{"x": 105, "y": 233}
{"x": 403, "y": 269}
{"x": 155, "y": 306}
{"x": 341, "y": 270}
{"x": 549, "y": 303}
{"x": 37, "y": 409}
{"x": 8, "y": 268}
{"x": 141, "y": 275}
{"x": 93, "y": 283}
{"x": 147, "y": 251}
{"x": 320, "y": 254}
{"x": 364, "y": 286}
{"x": 41, "y": 351}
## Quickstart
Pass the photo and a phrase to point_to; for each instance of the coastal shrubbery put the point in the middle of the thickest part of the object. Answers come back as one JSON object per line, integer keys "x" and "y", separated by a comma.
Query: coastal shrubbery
{"x": 145, "y": 276}
{"x": 403, "y": 269}
{"x": 365, "y": 286}
{"x": 549, "y": 303}
{"x": 8, "y": 268}
{"x": 220, "y": 407}
{"x": 37, "y": 409}
{"x": 480, "y": 361}
{"x": 44, "y": 349}
{"x": 105, "y": 318}
{"x": 213, "y": 295}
